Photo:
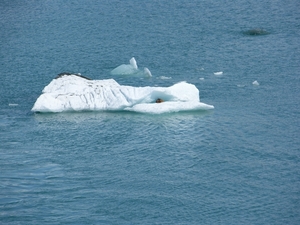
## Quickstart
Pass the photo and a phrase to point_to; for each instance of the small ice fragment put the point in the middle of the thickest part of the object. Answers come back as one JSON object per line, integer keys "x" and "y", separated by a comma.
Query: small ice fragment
{"x": 12, "y": 104}
{"x": 147, "y": 72}
{"x": 218, "y": 73}
{"x": 201, "y": 78}
{"x": 133, "y": 63}
{"x": 165, "y": 78}
{"x": 255, "y": 83}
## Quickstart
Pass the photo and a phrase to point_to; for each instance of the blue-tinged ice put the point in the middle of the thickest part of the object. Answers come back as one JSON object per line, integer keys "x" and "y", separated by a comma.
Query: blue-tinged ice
{"x": 147, "y": 72}
{"x": 130, "y": 69}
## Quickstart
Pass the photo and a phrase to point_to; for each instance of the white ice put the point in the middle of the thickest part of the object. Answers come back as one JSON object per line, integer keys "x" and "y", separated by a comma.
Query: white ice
{"x": 218, "y": 73}
{"x": 147, "y": 72}
{"x": 130, "y": 69}
{"x": 255, "y": 83}
{"x": 165, "y": 78}
{"x": 74, "y": 93}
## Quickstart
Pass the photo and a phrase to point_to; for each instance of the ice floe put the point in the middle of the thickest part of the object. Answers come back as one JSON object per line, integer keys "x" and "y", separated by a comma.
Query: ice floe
{"x": 77, "y": 93}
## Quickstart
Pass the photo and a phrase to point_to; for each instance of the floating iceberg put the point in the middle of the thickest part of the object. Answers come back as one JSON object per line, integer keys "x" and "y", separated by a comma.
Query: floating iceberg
{"x": 130, "y": 69}
{"x": 77, "y": 93}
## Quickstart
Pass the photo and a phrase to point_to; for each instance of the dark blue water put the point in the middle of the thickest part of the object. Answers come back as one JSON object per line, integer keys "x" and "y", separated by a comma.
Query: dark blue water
{"x": 237, "y": 164}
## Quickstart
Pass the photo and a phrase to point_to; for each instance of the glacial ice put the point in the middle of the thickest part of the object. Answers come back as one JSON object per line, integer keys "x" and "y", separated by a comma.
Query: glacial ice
{"x": 218, "y": 73}
{"x": 75, "y": 93}
{"x": 131, "y": 69}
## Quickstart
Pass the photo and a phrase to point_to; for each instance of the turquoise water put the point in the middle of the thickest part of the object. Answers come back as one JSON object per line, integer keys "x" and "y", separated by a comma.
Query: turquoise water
{"x": 237, "y": 164}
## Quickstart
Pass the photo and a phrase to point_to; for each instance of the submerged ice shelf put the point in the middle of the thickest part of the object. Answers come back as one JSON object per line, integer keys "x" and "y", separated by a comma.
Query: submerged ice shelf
{"x": 77, "y": 93}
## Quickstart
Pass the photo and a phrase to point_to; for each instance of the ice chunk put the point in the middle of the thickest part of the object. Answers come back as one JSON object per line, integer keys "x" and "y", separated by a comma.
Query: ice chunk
{"x": 126, "y": 69}
{"x": 133, "y": 63}
{"x": 147, "y": 72}
{"x": 131, "y": 69}
{"x": 75, "y": 93}
{"x": 165, "y": 78}
{"x": 218, "y": 73}
{"x": 255, "y": 83}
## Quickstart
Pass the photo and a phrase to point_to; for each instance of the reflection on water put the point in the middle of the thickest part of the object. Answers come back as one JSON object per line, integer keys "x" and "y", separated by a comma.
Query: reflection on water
{"x": 79, "y": 117}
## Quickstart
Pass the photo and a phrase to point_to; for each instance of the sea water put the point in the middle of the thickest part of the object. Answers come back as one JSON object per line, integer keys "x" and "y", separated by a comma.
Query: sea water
{"x": 236, "y": 164}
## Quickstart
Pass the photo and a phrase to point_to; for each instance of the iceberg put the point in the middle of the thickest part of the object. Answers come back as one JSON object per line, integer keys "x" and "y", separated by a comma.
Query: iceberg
{"x": 71, "y": 92}
{"x": 130, "y": 69}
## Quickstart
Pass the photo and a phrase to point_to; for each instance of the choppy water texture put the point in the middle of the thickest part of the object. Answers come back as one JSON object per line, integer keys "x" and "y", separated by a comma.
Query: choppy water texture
{"x": 238, "y": 164}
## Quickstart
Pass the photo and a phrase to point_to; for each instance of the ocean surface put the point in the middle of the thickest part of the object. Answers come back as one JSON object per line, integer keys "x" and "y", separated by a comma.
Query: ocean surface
{"x": 236, "y": 164}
